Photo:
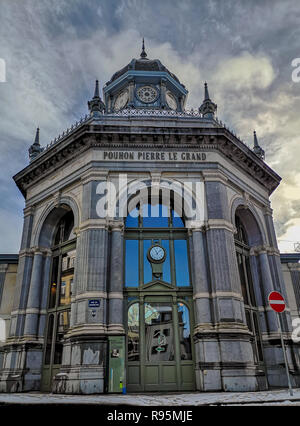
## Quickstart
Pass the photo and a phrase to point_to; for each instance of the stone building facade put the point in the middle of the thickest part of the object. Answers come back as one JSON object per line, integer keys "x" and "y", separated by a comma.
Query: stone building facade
{"x": 134, "y": 302}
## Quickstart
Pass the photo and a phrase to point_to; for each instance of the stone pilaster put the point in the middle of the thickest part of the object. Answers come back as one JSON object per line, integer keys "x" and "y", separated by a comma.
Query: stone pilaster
{"x": 34, "y": 295}
{"x": 23, "y": 276}
{"x": 44, "y": 293}
{"x": 85, "y": 346}
{"x": 115, "y": 295}
{"x": 226, "y": 354}
{"x": 206, "y": 344}
{"x": 23, "y": 354}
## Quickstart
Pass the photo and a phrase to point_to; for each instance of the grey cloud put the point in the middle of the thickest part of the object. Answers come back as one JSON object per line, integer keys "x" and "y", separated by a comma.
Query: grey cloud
{"x": 55, "y": 50}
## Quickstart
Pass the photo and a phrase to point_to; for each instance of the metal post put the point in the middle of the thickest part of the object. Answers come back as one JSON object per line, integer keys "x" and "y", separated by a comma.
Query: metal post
{"x": 284, "y": 355}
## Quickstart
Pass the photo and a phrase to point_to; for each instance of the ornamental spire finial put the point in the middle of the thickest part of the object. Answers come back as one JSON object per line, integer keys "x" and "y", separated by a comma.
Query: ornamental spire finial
{"x": 96, "y": 105}
{"x": 37, "y": 137}
{"x": 35, "y": 149}
{"x": 143, "y": 54}
{"x": 257, "y": 149}
{"x": 208, "y": 108}
{"x": 206, "y": 95}
{"x": 96, "y": 94}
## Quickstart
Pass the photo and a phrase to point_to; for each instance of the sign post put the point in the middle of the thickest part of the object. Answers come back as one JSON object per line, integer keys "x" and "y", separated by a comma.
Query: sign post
{"x": 277, "y": 303}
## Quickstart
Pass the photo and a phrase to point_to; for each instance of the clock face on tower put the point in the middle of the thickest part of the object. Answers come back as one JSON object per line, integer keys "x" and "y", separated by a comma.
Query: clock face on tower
{"x": 171, "y": 101}
{"x": 121, "y": 100}
{"x": 147, "y": 94}
{"x": 156, "y": 254}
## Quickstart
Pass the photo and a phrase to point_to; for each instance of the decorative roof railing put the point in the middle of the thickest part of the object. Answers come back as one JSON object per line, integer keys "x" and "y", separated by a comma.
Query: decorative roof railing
{"x": 135, "y": 112}
{"x": 69, "y": 130}
{"x": 132, "y": 112}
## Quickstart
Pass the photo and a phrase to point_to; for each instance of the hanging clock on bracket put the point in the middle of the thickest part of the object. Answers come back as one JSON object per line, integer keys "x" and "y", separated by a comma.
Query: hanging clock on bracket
{"x": 156, "y": 254}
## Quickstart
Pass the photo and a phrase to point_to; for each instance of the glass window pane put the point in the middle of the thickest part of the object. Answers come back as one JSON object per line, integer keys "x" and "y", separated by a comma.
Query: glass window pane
{"x": 63, "y": 323}
{"x": 257, "y": 334}
{"x": 250, "y": 283}
{"x": 184, "y": 332}
{"x": 132, "y": 220}
{"x": 166, "y": 265}
{"x": 49, "y": 339}
{"x": 155, "y": 216}
{"x": 147, "y": 265}
{"x": 53, "y": 286}
{"x": 133, "y": 333}
{"x": 181, "y": 263}
{"x": 177, "y": 221}
{"x": 248, "y": 320}
{"x": 67, "y": 274}
{"x": 131, "y": 263}
{"x": 242, "y": 278}
{"x": 68, "y": 224}
{"x": 159, "y": 332}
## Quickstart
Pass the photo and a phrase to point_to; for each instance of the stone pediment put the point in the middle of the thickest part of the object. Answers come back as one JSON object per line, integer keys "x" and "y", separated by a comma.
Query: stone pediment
{"x": 157, "y": 286}
{"x": 122, "y": 132}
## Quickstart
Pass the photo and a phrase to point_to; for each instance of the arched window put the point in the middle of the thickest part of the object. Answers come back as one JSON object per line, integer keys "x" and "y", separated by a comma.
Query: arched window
{"x": 60, "y": 292}
{"x": 251, "y": 310}
{"x": 149, "y": 226}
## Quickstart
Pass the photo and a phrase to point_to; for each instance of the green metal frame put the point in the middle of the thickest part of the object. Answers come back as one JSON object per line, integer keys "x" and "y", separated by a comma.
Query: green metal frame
{"x": 159, "y": 291}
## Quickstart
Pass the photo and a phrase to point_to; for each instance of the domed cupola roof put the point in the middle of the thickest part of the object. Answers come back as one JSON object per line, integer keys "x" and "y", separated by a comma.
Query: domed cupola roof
{"x": 144, "y": 83}
{"x": 143, "y": 64}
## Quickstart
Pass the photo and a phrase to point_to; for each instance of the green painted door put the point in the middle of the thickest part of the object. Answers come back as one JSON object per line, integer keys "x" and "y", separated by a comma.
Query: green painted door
{"x": 160, "y": 353}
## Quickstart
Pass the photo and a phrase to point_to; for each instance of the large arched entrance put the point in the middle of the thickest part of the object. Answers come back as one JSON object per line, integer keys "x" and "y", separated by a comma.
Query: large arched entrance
{"x": 63, "y": 247}
{"x": 158, "y": 294}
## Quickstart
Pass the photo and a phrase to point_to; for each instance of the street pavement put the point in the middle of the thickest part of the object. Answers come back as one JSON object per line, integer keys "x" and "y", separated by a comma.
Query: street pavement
{"x": 278, "y": 397}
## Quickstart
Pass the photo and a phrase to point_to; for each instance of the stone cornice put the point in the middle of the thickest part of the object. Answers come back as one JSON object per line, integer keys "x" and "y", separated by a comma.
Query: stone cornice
{"x": 224, "y": 328}
{"x": 220, "y": 224}
{"x": 230, "y": 294}
{"x": 35, "y": 250}
{"x": 119, "y": 135}
{"x": 94, "y": 175}
{"x": 214, "y": 175}
{"x": 97, "y": 295}
{"x": 254, "y": 251}
{"x": 116, "y": 225}
{"x": 93, "y": 224}
{"x": 293, "y": 266}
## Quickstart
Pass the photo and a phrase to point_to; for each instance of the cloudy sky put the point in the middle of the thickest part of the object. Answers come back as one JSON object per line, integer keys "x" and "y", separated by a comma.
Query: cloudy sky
{"x": 55, "y": 49}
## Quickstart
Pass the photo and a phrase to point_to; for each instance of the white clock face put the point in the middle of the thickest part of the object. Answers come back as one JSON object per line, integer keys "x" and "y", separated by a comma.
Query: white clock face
{"x": 157, "y": 253}
{"x": 147, "y": 94}
{"x": 171, "y": 101}
{"x": 121, "y": 100}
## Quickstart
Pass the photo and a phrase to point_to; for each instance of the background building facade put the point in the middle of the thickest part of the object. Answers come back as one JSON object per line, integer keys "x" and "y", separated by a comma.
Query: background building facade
{"x": 164, "y": 300}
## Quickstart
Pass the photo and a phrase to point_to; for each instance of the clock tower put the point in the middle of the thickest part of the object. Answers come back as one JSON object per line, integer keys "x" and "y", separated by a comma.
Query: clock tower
{"x": 145, "y": 84}
{"x": 148, "y": 251}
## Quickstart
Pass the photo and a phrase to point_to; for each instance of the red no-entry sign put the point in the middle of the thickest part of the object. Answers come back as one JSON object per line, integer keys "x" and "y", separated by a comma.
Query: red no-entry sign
{"x": 276, "y": 301}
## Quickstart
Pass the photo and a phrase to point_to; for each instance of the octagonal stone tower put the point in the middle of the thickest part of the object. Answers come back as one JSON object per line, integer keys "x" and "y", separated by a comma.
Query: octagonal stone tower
{"x": 175, "y": 300}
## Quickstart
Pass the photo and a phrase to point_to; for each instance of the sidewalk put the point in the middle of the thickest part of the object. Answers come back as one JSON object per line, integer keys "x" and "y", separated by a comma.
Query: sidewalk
{"x": 280, "y": 397}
